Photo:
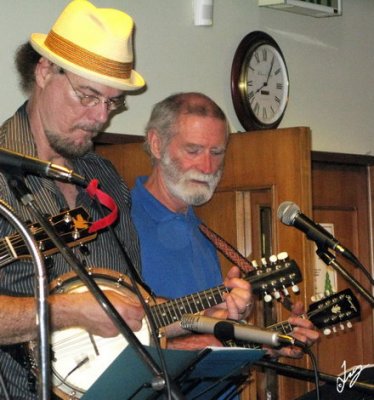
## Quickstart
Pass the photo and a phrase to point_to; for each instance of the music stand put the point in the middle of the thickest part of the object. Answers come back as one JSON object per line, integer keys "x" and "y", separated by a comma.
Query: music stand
{"x": 201, "y": 374}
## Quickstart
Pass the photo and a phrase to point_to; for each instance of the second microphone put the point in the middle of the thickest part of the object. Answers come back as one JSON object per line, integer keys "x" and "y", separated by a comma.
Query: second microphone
{"x": 231, "y": 330}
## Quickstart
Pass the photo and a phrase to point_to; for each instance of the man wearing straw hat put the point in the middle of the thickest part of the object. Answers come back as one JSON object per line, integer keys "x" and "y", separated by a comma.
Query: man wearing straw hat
{"x": 75, "y": 76}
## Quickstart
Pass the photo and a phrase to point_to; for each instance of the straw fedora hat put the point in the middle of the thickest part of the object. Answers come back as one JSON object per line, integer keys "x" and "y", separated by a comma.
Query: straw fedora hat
{"x": 95, "y": 43}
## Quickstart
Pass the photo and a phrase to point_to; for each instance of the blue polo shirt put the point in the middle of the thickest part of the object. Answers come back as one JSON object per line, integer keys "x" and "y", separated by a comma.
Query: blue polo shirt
{"x": 177, "y": 259}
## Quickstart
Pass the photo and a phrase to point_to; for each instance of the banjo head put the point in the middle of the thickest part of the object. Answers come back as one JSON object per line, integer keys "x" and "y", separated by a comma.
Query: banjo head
{"x": 79, "y": 358}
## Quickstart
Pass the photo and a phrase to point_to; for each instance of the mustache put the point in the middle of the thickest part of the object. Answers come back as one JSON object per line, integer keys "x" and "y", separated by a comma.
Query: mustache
{"x": 94, "y": 128}
{"x": 200, "y": 176}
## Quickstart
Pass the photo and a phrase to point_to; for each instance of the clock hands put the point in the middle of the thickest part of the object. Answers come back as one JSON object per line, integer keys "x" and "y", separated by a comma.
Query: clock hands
{"x": 266, "y": 92}
{"x": 260, "y": 88}
{"x": 271, "y": 68}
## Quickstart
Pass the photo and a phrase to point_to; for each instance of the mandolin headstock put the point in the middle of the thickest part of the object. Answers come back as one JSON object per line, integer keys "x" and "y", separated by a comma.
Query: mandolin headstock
{"x": 271, "y": 279}
{"x": 335, "y": 312}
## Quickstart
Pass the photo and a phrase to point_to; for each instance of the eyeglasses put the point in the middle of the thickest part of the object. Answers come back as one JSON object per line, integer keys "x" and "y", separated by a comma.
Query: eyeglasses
{"x": 89, "y": 100}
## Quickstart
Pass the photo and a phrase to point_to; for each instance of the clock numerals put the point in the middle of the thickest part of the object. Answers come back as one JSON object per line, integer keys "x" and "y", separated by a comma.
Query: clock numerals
{"x": 264, "y": 114}
{"x": 257, "y": 57}
{"x": 251, "y": 96}
{"x": 264, "y": 55}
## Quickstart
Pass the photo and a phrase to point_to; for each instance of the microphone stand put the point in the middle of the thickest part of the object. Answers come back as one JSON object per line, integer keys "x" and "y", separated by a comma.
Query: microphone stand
{"x": 41, "y": 296}
{"x": 24, "y": 195}
{"x": 329, "y": 259}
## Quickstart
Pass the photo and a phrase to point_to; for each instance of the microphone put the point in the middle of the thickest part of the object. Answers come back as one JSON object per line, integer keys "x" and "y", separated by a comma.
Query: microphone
{"x": 231, "y": 330}
{"x": 289, "y": 213}
{"x": 11, "y": 161}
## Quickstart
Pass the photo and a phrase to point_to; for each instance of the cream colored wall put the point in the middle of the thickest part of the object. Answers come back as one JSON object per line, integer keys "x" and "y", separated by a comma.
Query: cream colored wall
{"x": 330, "y": 61}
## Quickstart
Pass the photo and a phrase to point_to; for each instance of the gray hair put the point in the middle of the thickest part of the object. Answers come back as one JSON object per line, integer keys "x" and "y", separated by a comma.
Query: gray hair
{"x": 165, "y": 114}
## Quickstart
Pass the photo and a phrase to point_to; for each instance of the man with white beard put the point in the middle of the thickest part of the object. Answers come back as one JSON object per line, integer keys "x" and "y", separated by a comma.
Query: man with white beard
{"x": 186, "y": 137}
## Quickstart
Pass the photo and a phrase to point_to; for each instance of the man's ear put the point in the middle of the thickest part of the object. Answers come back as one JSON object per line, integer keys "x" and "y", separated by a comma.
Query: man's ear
{"x": 154, "y": 142}
{"x": 43, "y": 70}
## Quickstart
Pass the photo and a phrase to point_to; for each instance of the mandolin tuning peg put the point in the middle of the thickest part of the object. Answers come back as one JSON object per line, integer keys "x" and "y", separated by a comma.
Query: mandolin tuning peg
{"x": 273, "y": 259}
{"x": 283, "y": 256}
{"x": 267, "y": 298}
{"x": 341, "y": 325}
{"x": 276, "y": 294}
{"x": 295, "y": 288}
{"x": 327, "y": 331}
{"x": 254, "y": 264}
{"x": 349, "y": 324}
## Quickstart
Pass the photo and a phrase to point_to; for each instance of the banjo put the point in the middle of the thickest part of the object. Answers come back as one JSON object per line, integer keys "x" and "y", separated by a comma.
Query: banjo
{"x": 79, "y": 358}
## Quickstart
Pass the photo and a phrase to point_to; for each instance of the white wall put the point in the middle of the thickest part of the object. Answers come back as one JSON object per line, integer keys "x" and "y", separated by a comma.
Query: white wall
{"x": 330, "y": 61}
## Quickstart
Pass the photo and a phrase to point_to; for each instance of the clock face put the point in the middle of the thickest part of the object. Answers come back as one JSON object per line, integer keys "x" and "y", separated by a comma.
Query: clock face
{"x": 264, "y": 84}
{"x": 260, "y": 82}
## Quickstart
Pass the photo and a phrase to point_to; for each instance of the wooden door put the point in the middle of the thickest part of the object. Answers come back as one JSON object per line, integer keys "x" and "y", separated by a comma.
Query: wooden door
{"x": 342, "y": 193}
{"x": 262, "y": 169}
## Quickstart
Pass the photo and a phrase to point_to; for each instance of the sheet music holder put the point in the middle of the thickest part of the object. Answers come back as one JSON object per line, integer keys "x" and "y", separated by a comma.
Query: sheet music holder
{"x": 209, "y": 372}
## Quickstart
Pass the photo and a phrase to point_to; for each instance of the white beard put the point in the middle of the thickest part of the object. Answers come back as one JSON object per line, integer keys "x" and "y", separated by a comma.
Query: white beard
{"x": 192, "y": 187}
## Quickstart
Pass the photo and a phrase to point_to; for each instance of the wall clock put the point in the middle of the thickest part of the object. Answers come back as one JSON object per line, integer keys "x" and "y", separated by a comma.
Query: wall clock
{"x": 259, "y": 82}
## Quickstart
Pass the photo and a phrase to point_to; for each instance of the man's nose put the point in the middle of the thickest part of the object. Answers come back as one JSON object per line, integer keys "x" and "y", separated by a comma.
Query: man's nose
{"x": 206, "y": 164}
{"x": 100, "y": 112}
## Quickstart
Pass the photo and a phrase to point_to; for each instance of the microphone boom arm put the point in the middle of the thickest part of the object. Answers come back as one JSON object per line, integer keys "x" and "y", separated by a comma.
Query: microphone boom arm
{"x": 329, "y": 259}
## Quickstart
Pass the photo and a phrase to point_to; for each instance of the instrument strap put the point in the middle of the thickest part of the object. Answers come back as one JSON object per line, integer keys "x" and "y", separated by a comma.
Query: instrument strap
{"x": 227, "y": 249}
{"x": 236, "y": 258}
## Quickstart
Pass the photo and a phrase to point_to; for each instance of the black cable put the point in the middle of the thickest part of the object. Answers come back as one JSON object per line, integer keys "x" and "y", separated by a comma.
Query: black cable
{"x": 360, "y": 266}
{"x": 309, "y": 352}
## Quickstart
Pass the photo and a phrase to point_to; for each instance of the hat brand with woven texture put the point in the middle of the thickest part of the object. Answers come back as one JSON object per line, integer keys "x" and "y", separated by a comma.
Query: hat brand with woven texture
{"x": 95, "y": 43}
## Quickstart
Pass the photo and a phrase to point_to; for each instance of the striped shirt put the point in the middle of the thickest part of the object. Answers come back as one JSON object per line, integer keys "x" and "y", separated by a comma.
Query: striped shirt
{"x": 17, "y": 278}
